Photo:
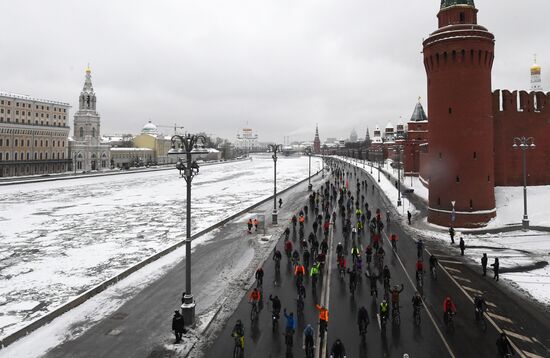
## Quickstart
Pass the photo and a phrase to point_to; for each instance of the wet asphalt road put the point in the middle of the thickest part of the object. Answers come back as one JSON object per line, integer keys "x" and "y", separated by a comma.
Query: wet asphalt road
{"x": 431, "y": 339}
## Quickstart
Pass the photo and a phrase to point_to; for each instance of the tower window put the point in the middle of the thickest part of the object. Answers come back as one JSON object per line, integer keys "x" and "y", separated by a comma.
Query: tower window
{"x": 462, "y": 17}
{"x": 81, "y": 132}
{"x": 450, "y": 110}
{"x": 438, "y": 201}
{"x": 475, "y": 155}
{"x": 488, "y": 178}
{"x": 458, "y": 179}
{"x": 471, "y": 204}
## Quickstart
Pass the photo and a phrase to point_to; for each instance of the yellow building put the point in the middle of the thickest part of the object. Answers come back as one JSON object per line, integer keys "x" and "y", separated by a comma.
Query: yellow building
{"x": 160, "y": 144}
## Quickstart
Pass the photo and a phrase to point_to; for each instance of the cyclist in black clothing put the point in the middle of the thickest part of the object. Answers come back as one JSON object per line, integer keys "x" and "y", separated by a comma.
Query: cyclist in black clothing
{"x": 275, "y": 304}
{"x": 363, "y": 317}
{"x": 373, "y": 281}
{"x": 504, "y": 346}
{"x": 338, "y": 350}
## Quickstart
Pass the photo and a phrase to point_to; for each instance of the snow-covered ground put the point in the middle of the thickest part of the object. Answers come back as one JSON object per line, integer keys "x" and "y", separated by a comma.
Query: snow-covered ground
{"x": 526, "y": 253}
{"x": 60, "y": 238}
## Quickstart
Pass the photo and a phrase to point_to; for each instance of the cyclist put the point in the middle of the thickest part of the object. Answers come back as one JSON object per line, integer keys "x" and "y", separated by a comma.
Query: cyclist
{"x": 419, "y": 248}
{"x": 255, "y": 296}
{"x": 277, "y": 256}
{"x": 352, "y": 280}
{"x": 449, "y": 308}
{"x": 287, "y": 233}
{"x": 305, "y": 257}
{"x": 299, "y": 272}
{"x": 395, "y": 291}
{"x": 290, "y": 325}
{"x": 249, "y": 224}
{"x": 238, "y": 332}
{"x": 433, "y": 262}
{"x": 355, "y": 252}
{"x": 259, "y": 275}
{"x": 380, "y": 257}
{"x": 416, "y": 302}
{"x": 338, "y": 350}
{"x": 308, "y": 337}
{"x": 480, "y": 306}
{"x": 295, "y": 256}
{"x": 342, "y": 264}
{"x": 275, "y": 305}
{"x": 359, "y": 263}
{"x": 294, "y": 222}
{"x": 324, "y": 246}
{"x": 315, "y": 248}
{"x": 326, "y": 227}
{"x": 339, "y": 250}
{"x": 504, "y": 346}
{"x": 288, "y": 248}
{"x": 323, "y": 319}
{"x": 419, "y": 269}
{"x": 384, "y": 310}
{"x": 373, "y": 282}
{"x": 393, "y": 239}
{"x": 363, "y": 318}
{"x": 368, "y": 253}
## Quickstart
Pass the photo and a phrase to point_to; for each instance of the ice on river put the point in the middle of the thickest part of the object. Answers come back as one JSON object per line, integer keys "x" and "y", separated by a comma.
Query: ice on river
{"x": 60, "y": 238}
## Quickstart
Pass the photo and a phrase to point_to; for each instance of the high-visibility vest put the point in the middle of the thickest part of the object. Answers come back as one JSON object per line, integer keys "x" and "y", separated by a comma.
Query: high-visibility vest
{"x": 323, "y": 313}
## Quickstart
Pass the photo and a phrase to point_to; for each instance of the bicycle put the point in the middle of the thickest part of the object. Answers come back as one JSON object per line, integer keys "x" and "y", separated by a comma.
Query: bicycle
{"x": 275, "y": 320}
{"x": 254, "y": 312}
{"x": 300, "y": 304}
{"x": 309, "y": 347}
{"x": 289, "y": 339}
{"x": 396, "y": 316}
{"x": 238, "y": 350}
{"x": 416, "y": 315}
{"x": 386, "y": 283}
{"x": 419, "y": 280}
{"x": 480, "y": 318}
{"x": 383, "y": 319}
{"x": 352, "y": 286}
{"x": 362, "y": 330}
{"x": 434, "y": 272}
{"x": 322, "y": 330}
{"x": 277, "y": 266}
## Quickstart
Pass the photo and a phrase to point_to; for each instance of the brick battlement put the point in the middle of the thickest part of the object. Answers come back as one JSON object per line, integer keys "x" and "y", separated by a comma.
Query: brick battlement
{"x": 521, "y": 102}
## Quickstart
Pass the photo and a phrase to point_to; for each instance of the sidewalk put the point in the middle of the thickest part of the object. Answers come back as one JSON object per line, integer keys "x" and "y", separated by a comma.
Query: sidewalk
{"x": 133, "y": 317}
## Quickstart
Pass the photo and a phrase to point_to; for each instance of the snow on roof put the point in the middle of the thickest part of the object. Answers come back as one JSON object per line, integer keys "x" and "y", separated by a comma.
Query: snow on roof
{"x": 29, "y": 98}
{"x": 117, "y": 149}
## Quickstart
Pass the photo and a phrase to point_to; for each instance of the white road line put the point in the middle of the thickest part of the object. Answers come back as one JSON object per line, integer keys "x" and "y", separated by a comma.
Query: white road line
{"x": 532, "y": 355}
{"x": 452, "y": 269}
{"x": 490, "y": 304}
{"x": 424, "y": 304}
{"x": 518, "y": 336}
{"x": 450, "y": 261}
{"x": 325, "y": 296}
{"x": 462, "y": 278}
{"x": 472, "y": 289}
{"x": 520, "y": 353}
{"x": 500, "y": 318}
{"x": 378, "y": 320}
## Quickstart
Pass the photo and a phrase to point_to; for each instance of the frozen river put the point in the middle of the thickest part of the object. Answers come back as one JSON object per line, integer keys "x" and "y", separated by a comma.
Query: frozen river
{"x": 60, "y": 238}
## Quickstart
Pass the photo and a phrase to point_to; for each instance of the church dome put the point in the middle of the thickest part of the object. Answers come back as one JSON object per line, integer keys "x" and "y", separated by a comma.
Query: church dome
{"x": 535, "y": 68}
{"x": 149, "y": 128}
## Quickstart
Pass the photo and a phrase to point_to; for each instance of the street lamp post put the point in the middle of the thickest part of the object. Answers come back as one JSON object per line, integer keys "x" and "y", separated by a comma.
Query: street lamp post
{"x": 524, "y": 143}
{"x": 323, "y": 161}
{"x": 378, "y": 152}
{"x": 275, "y": 148}
{"x": 308, "y": 153}
{"x": 399, "y": 150}
{"x": 188, "y": 145}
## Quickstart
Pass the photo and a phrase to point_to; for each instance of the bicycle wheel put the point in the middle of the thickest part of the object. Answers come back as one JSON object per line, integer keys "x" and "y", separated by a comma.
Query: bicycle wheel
{"x": 417, "y": 318}
{"x": 253, "y": 314}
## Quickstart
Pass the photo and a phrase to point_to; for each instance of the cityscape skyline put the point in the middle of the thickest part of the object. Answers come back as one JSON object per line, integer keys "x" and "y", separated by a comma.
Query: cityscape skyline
{"x": 216, "y": 76}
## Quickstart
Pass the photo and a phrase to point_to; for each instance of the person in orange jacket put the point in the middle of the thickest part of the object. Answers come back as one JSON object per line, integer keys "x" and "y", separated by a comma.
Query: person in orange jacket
{"x": 256, "y": 223}
{"x": 255, "y": 295}
{"x": 323, "y": 319}
{"x": 249, "y": 225}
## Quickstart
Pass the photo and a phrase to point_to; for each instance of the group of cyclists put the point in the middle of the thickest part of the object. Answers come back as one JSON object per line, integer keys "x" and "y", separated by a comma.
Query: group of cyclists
{"x": 307, "y": 257}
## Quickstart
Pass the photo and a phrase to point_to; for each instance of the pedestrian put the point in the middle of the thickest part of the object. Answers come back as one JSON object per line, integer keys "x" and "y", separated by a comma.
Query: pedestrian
{"x": 178, "y": 326}
{"x": 256, "y": 223}
{"x": 462, "y": 246}
{"x": 484, "y": 264}
{"x": 249, "y": 224}
{"x": 496, "y": 266}
{"x": 280, "y": 202}
{"x": 409, "y": 216}
{"x": 452, "y": 234}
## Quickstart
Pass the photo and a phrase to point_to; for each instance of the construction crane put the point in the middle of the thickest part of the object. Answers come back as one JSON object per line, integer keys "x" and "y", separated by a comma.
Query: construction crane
{"x": 175, "y": 126}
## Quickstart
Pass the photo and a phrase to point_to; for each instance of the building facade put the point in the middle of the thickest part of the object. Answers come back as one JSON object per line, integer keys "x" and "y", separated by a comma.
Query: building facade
{"x": 317, "y": 141}
{"x": 33, "y": 136}
{"x": 158, "y": 143}
{"x": 87, "y": 150}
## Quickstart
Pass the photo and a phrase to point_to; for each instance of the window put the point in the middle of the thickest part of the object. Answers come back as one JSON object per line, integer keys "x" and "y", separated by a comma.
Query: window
{"x": 475, "y": 155}
{"x": 7, "y": 156}
{"x": 488, "y": 178}
{"x": 81, "y": 132}
{"x": 15, "y": 156}
{"x": 450, "y": 110}
{"x": 93, "y": 132}
{"x": 7, "y": 142}
{"x": 28, "y": 143}
{"x": 471, "y": 204}
{"x": 1, "y": 142}
{"x": 15, "y": 143}
{"x": 35, "y": 155}
{"x": 457, "y": 179}
{"x": 440, "y": 156}
{"x": 1, "y": 154}
{"x": 438, "y": 201}
{"x": 28, "y": 155}
{"x": 36, "y": 143}
{"x": 462, "y": 17}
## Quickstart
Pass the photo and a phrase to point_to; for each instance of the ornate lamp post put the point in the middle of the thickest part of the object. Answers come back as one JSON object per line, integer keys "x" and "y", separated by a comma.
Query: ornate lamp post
{"x": 308, "y": 153}
{"x": 379, "y": 153}
{"x": 524, "y": 143}
{"x": 188, "y": 146}
{"x": 323, "y": 161}
{"x": 399, "y": 150}
{"x": 275, "y": 148}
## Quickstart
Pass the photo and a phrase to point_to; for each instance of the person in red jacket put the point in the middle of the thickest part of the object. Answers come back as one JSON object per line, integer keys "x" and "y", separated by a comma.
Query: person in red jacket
{"x": 419, "y": 268}
{"x": 448, "y": 308}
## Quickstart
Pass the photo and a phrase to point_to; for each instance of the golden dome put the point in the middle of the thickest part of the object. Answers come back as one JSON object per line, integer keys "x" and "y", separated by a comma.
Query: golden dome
{"x": 88, "y": 69}
{"x": 535, "y": 67}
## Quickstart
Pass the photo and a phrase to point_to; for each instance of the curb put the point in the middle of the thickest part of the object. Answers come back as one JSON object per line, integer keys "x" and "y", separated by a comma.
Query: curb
{"x": 42, "y": 321}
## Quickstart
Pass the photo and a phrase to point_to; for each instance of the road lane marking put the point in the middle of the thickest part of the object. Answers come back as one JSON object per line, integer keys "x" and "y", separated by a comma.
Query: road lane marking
{"x": 500, "y": 318}
{"x": 325, "y": 295}
{"x": 378, "y": 320}
{"x": 472, "y": 289}
{"x": 531, "y": 355}
{"x": 490, "y": 304}
{"x": 424, "y": 304}
{"x": 462, "y": 278}
{"x": 520, "y": 353}
{"x": 452, "y": 269}
{"x": 450, "y": 262}
{"x": 518, "y": 336}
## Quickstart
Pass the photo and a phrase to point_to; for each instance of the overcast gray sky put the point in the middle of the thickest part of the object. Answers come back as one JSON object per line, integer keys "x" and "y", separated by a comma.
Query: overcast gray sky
{"x": 280, "y": 65}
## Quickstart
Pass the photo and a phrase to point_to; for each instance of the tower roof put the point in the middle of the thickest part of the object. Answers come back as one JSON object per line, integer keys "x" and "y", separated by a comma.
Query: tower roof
{"x": 419, "y": 114}
{"x": 449, "y": 3}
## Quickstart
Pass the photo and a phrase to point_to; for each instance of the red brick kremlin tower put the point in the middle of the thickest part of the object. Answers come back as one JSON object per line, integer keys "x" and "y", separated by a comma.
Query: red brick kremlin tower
{"x": 317, "y": 141}
{"x": 458, "y": 58}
